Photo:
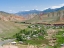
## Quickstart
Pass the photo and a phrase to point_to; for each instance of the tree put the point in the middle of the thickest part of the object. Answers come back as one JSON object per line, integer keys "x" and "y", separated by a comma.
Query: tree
{"x": 19, "y": 37}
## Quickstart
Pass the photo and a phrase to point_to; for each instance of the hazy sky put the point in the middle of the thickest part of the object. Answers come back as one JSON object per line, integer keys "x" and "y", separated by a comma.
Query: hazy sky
{"x": 13, "y": 6}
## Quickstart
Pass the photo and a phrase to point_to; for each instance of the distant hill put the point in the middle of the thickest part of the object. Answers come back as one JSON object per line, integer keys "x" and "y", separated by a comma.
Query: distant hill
{"x": 28, "y": 12}
{"x": 38, "y": 12}
{"x": 53, "y": 10}
{"x": 48, "y": 10}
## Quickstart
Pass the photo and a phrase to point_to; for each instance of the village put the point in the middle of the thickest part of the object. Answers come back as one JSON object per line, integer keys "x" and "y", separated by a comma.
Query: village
{"x": 36, "y": 36}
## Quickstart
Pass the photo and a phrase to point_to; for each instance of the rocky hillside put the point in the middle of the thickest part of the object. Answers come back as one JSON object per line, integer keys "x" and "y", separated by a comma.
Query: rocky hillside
{"x": 47, "y": 16}
{"x": 10, "y": 17}
{"x": 51, "y": 17}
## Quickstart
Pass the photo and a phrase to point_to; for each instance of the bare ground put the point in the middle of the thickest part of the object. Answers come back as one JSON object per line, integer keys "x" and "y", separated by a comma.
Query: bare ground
{"x": 8, "y": 46}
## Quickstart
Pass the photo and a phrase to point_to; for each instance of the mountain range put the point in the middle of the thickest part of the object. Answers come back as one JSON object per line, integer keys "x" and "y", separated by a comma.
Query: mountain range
{"x": 38, "y": 12}
{"x": 24, "y": 13}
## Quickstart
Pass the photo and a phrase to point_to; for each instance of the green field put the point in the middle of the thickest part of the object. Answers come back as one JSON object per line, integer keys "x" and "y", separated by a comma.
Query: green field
{"x": 60, "y": 38}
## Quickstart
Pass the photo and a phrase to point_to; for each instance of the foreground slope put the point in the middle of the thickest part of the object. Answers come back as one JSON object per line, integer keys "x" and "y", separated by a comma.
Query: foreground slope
{"x": 8, "y": 29}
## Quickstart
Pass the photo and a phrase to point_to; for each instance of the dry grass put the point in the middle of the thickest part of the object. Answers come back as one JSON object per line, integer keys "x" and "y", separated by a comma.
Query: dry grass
{"x": 8, "y": 28}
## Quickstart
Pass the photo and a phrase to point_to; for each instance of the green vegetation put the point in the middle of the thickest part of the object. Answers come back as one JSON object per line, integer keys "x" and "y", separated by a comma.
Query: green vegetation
{"x": 34, "y": 34}
{"x": 60, "y": 38}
